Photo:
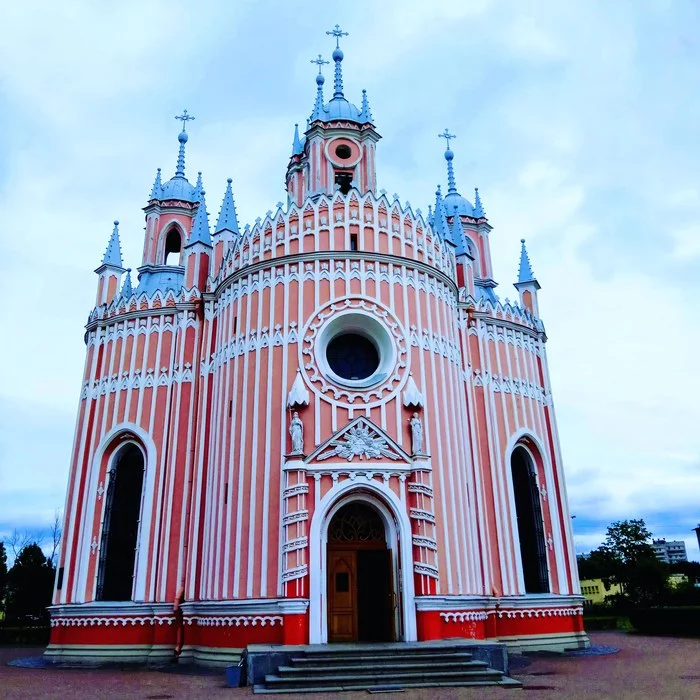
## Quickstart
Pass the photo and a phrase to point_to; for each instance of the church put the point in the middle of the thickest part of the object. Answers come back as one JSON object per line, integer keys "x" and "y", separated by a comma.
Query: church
{"x": 324, "y": 427}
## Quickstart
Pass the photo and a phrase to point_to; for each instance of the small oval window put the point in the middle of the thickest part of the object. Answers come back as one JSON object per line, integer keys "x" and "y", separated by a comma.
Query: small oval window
{"x": 343, "y": 151}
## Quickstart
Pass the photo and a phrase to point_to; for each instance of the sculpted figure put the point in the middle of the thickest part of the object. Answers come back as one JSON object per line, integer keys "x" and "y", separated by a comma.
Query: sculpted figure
{"x": 416, "y": 434}
{"x": 296, "y": 430}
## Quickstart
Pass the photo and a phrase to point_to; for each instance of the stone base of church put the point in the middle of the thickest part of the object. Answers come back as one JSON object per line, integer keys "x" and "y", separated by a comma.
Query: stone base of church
{"x": 215, "y": 633}
{"x": 525, "y": 623}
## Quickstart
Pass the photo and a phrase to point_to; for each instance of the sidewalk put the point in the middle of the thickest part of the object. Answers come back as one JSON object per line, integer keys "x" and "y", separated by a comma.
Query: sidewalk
{"x": 645, "y": 667}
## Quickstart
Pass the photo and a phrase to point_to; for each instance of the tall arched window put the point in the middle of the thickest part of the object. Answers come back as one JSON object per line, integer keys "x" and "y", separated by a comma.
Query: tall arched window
{"x": 533, "y": 550}
{"x": 173, "y": 245}
{"x": 121, "y": 524}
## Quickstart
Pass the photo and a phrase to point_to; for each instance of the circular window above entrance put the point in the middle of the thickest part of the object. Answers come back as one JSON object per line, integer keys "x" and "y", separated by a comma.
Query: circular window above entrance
{"x": 353, "y": 352}
{"x": 354, "y": 349}
{"x": 352, "y": 356}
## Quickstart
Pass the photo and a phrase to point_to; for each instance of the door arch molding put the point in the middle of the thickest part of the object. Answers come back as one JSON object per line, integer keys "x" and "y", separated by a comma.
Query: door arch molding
{"x": 397, "y": 528}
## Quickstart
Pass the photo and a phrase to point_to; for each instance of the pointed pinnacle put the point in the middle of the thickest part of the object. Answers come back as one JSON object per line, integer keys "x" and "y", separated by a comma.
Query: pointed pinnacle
{"x": 157, "y": 187}
{"x": 525, "y": 273}
{"x": 479, "y": 212}
{"x": 228, "y": 221}
{"x": 365, "y": 113}
{"x": 113, "y": 254}
{"x": 127, "y": 289}
{"x": 297, "y": 145}
{"x": 200, "y": 228}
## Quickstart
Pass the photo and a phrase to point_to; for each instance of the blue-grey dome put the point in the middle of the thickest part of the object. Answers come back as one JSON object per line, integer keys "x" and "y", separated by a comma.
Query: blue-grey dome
{"x": 179, "y": 188}
{"x": 464, "y": 207}
{"x": 340, "y": 108}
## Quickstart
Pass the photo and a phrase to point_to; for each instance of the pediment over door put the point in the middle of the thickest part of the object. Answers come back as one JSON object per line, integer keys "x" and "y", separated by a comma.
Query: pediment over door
{"x": 360, "y": 443}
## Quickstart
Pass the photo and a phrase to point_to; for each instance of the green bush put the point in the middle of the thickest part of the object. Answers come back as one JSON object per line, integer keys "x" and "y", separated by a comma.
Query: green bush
{"x": 24, "y": 636}
{"x": 683, "y": 621}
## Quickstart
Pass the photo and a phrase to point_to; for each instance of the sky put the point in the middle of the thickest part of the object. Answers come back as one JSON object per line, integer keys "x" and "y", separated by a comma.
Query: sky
{"x": 579, "y": 122}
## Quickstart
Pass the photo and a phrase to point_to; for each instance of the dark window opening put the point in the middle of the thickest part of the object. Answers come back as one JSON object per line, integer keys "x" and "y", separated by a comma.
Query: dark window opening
{"x": 342, "y": 582}
{"x": 533, "y": 550}
{"x": 353, "y": 241}
{"x": 352, "y": 356}
{"x": 343, "y": 151}
{"x": 343, "y": 178}
{"x": 115, "y": 578}
{"x": 173, "y": 244}
{"x": 235, "y": 324}
{"x": 59, "y": 581}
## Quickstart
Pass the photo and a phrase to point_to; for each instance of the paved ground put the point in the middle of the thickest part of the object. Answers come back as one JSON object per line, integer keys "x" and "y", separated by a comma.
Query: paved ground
{"x": 645, "y": 667}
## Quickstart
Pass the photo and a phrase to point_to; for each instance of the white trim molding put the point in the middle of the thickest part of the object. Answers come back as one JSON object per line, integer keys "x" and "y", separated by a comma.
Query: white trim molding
{"x": 398, "y": 532}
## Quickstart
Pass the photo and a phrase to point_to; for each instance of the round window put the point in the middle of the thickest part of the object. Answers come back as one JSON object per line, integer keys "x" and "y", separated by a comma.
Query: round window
{"x": 343, "y": 151}
{"x": 352, "y": 356}
{"x": 355, "y": 349}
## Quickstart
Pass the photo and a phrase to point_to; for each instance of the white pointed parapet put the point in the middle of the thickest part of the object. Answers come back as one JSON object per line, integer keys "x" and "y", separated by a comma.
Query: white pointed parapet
{"x": 298, "y": 394}
{"x": 411, "y": 394}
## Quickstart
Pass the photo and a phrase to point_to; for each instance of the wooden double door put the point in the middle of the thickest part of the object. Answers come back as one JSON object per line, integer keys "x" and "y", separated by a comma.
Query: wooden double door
{"x": 360, "y": 585}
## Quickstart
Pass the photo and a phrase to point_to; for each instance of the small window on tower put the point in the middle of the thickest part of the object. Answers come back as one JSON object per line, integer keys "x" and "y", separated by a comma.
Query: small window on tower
{"x": 173, "y": 244}
{"x": 343, "y": 178}
{"x": 353, "y": 241}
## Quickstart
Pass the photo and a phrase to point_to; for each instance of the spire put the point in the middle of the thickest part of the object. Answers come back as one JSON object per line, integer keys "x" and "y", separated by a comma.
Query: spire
{"x": 297, "y": 146}
{"x": 338, "y": 59}
{"x": 318, "y": 105}
{"x": 365, "y": 112}
{"x": 113, "y": 254}
{"x": 440, "y": 220}
{"x": 479, "y": 212}
{"x": 449, "y": 155}
{"x": 198, "y": 186}
{"x": 182, "y": 138}
{"x": 525, "y": 273}
{"x": 457, "y": 233}
{"x": 228, "y": 221}
{"x": 157, "y": 187}
{"x": 127, "y": 289}
{"x": 200, "y": 228}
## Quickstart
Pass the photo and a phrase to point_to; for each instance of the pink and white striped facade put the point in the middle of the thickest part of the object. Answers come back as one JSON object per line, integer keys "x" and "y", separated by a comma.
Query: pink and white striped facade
{"x": 232, "y": 531}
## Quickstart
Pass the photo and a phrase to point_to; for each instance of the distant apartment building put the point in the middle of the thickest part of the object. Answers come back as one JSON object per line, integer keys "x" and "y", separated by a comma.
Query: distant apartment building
{"x": 670, "y": 552}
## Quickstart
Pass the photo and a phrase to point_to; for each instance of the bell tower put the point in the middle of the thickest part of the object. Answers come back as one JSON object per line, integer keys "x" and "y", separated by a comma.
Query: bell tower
{"x": 337, "y": 151}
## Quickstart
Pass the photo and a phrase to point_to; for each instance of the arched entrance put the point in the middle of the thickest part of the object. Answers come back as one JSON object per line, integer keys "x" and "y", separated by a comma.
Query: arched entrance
{"x": 120, "y": 526}
{"x": 533, "y": 550}
{"x": 360, "y": 581}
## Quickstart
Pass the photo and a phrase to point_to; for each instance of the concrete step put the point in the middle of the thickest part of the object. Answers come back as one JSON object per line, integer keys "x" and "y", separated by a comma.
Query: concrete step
{"x": 390, "y": 666}
{"x": 372, "y": 679}
{"x": 342, "y": 660}
{"x": 505, "y": 682}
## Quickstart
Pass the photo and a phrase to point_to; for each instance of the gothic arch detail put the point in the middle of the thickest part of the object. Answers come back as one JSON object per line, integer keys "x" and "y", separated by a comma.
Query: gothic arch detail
{"x": 117, "y": 559}
{"x": 530, "y": 523}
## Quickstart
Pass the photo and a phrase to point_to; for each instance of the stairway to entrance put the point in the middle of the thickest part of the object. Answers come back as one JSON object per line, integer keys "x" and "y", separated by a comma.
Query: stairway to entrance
{"x": 337, "y": 667}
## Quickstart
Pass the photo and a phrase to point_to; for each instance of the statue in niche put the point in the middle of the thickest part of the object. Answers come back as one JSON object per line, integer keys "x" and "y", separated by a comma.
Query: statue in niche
{"x": 296, "y": 430}
{"x": 416, "y": 435}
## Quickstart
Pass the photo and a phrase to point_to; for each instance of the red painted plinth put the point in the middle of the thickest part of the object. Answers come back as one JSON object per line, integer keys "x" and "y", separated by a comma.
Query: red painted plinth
{"x": 296, "y": 629}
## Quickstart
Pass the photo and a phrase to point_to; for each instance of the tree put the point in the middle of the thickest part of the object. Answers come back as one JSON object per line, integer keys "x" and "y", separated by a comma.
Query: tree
{"x": 3, "y": 575}
{"x": 595, "y": 564}
{"x": 632, "y": 563}
{"x": 29, "y": 586}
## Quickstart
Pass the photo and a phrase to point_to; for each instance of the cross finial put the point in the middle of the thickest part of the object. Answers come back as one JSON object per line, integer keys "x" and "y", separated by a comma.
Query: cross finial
{"x": 184, "y": 118}
{"x": 319, "y": 62}
{"x": 337, "y": 33}
{"x": 447, "y": 136}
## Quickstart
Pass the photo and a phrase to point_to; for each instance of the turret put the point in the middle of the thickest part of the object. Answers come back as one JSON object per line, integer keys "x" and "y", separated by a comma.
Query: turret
{"x": 198, "y": 249}
{"x": 338, "y": 148}
{"x": 527, "y": 285}
{"x": 169, "y": 216}
{"x": 111, "y": 270}
{"x": 227, "y": 229}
